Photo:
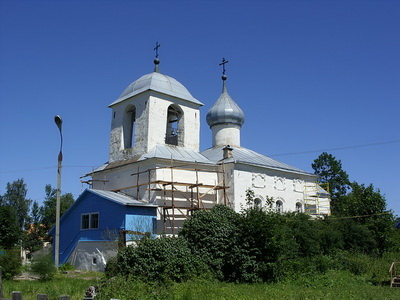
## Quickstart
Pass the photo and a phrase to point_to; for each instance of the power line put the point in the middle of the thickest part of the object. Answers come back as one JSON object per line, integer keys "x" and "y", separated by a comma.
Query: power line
{"x": 337, "y": 148}
{"x": 43, "y": 168}
{"x": 271, "y": 155}
{"x": 362, "y": 216}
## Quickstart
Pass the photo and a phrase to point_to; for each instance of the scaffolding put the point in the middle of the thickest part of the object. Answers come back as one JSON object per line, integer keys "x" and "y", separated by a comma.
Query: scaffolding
{"x": 316, "y": 198}
{"x": 178, "y": 199}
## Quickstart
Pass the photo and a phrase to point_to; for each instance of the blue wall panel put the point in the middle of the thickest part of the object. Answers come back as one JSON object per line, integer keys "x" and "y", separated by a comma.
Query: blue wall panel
{"x": 112, "y": 219}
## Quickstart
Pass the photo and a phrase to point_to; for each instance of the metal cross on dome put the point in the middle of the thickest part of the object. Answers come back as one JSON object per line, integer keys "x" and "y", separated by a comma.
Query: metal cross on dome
{"x": 156, "y": 49}
{"x": 223, "y": 65}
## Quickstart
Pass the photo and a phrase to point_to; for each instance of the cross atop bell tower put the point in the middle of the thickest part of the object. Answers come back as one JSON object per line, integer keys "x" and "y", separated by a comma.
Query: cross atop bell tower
{"x": 223, "y": 63}
{"x": 156, "y": 60}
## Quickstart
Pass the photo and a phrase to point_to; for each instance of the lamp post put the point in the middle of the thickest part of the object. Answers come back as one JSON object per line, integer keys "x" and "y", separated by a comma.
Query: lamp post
{"x": 58, "y": 121}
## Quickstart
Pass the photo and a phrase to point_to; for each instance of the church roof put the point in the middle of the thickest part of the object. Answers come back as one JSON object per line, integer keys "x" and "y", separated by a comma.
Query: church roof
{"x": 160, "y": 83}
{"x": 159, "y": 151}
{"x": 247, "y": 156}
{"x": 225, "y": 110}
{"x": 176, "y": 153}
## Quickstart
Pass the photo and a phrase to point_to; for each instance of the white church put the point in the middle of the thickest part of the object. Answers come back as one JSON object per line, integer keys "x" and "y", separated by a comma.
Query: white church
{"x": 156, "y": 176}
{"x": 155, "y": 157}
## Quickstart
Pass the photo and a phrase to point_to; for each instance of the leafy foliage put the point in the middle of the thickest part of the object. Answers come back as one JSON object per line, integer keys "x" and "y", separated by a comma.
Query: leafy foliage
{"x": 10, "y": 263}
{"x": 15, "y": 197}
{"x": 10, "y": 231}
{"x": 214, "y": 237}
{"x": 48, "y": 210}
{"x": 330, "y": 171}
{"x": 44, "y": 267}
{"x": 367, "y": 206}
{"x": 256, "y": 245}
{"x": 157, "y": 260}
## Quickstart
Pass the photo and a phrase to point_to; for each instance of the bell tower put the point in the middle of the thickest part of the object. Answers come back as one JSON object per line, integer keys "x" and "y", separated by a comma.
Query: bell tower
{"x": 153, "y": 110}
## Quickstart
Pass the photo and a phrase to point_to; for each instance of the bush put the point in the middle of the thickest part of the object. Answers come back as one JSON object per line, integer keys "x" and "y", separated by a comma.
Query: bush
{"x": 215, "y": 237}
{"x": 44, "y": 267}
{"x": 160, "y": 259}
{"x": 10, "y": 263}
{"x": 67, "y": 267}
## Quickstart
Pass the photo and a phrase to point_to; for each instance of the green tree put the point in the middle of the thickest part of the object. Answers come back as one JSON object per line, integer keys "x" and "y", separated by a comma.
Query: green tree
{"x": 330, "y": 171}
{"x": 15, "y": 197}
{"x": 367, "y": 206}
{"x": 214, "y": 236}
{"x": 48, "y": 210}
{"x": 362, "y": 200}
{"x": 35, "y": 233}
{"x": 10, "y": 231}
{"x": 35, "y": 217}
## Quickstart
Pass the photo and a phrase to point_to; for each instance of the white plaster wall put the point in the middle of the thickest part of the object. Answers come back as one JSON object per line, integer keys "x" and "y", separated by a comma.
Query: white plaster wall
{"x": 229, "y": 183}
{"x": 158, "y": 110}
{"x": 151, "y": 124}
{"x": 121, "y": 178}
{"x": 284, "y": 186}
{"x": 226, "y": 134}
{"x": 117, "y": 151}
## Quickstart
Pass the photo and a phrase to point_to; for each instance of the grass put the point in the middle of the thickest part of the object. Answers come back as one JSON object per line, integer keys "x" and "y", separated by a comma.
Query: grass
{"x": 73, "y": 284}
{"x": 335, "y": 285}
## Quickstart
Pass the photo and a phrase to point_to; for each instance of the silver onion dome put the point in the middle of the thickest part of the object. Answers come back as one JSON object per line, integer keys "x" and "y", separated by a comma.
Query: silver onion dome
{"x": 225, "y": 110}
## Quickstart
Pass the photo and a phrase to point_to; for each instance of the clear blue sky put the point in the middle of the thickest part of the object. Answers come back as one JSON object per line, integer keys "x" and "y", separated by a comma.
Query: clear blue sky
{"x": 309, "y": 75}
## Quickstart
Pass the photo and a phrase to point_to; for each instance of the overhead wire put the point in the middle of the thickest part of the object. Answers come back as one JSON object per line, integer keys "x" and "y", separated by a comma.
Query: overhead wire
{"x": 43, "y": 168}
{"x": 337, "y": 148}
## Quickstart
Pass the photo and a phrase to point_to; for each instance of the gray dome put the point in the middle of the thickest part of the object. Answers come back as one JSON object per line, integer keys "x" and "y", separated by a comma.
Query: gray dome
{"x": 157, "y": 82}
{"x": 225, "y": 111}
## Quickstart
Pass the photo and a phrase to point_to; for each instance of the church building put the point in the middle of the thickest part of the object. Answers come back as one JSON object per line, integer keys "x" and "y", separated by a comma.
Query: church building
{"x": 155, "y": 164}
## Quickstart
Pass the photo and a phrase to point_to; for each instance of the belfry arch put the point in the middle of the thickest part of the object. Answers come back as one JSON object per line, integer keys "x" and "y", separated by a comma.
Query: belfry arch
{"x": 174, "y": 134}
{"x": 129, "y": 126}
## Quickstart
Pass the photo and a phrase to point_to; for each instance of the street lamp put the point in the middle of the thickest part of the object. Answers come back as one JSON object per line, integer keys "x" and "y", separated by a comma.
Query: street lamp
{"x": 58, "y": 121}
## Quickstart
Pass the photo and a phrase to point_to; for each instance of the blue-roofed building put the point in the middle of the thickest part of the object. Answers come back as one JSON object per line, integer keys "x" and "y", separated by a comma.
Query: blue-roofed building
{"x": 155, "y": 161}
{"x": 92, "y": 226}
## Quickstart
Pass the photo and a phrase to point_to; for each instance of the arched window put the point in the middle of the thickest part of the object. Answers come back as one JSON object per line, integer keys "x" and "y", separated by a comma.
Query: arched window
{"x": 279, "y": 206}
{"x": 257, "y": 203}
{"x": 174, "y": 117}
{"x": 129, "y": 126}
{"x": 299, "y": 207}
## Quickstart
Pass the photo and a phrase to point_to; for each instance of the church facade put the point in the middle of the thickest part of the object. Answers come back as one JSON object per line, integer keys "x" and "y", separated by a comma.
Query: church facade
{"x": 155, "y": 157}
{"x": 156, "y": 176}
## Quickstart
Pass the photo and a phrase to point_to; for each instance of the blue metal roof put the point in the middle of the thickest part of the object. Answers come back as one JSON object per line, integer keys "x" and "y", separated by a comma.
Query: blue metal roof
{"x": 247, "y": 156}
{"x": 160, "y": 83}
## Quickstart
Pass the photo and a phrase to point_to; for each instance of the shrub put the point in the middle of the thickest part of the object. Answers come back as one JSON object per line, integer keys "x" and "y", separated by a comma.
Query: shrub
{"x": 215, "y": 237}
{"x": 160, "y": 259}
{"x": 67, "y": 267}
{"x": 10, "y": 263}
{"x": 111, "y": 267}
{"x": 268, "y": 237}
{"x": 44, "y": 267}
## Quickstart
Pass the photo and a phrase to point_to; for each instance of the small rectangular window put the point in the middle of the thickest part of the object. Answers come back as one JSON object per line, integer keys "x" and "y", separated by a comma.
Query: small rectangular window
{"x": 90, "y": 221}
{"x": 85, "y": 221}
{"x": 94, "y": 221}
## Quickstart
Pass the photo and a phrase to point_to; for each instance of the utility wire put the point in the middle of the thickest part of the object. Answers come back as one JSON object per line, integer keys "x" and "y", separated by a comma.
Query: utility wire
{"x": 271, "y": 155}
{"x": 43, "y": 168}
{"x": 362, "y": 216}
{"x": 337, "y": 148}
